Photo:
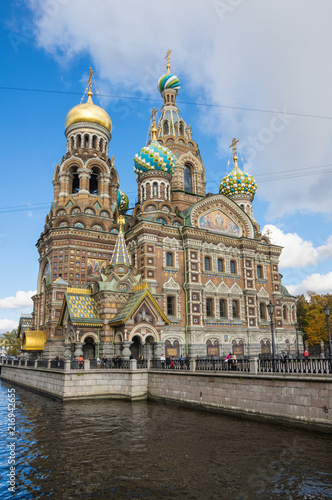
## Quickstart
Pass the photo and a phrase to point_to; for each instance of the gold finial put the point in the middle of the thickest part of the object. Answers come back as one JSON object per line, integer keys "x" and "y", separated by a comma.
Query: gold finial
{"x": 89, "y": 86}
{"x": 121, "y": 221}
{"x": 268, "y": 232}
{"x": 154, "y": 128}
{"x": 168, "y": 63}
{"x": 233, "y": 145}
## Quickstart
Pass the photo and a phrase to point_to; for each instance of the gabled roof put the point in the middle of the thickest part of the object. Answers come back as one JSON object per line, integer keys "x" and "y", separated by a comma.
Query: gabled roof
{"x": 133, "y": 303}
{"x": 82, "y": 309}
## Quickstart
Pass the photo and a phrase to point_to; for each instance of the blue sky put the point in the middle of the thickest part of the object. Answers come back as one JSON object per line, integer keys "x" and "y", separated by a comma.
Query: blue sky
{"x": 229, "y": 55}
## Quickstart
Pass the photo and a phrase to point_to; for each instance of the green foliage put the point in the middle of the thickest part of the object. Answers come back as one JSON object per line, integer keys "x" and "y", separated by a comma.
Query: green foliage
{"x": 11, "y": 343}
{"x": 311, "y": 317}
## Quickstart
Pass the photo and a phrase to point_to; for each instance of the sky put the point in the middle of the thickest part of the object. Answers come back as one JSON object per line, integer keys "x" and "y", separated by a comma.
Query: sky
{"x": 251, "y": 69}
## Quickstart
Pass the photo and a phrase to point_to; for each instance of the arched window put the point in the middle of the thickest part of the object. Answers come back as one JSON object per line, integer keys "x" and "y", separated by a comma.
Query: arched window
{"x": 166, "y": 128}
{"x": 94, "y": 142}
{"x": 170, "y": 306}
{"x": 223, "y": 308}
{"x": 72, "y": 143}
{"x": 220, "y": 265}
{"x": 233, "y": 266}
{"x": 155, "y": 189}
{"x": 207, "y": 263}
{"x": 235, "y": 308}
{"x": 259, "y": 272}
{"x": 169, "y": 259}
{"x": 284, "y": 312}
{"x": 79, "y": 141}
{"x": 181, "y": 129}
{"x": 187, "y": 179}
{"x": 93, "y": 184}
{"x": 100, "y": 145}
{"x": 76, "y": 182}
{"x": 209, "y": 308}
{"x": 262, "y": 310}
{"x": 86, "y": 141}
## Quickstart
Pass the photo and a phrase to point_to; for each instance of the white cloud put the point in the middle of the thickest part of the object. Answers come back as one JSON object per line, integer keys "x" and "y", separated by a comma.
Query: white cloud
{"x": 318, "y": 283}
{"x": 22, "y": 300}
{"x": 296, "y": 252}
{"x": 6, "y": 325}
{"x": 267, "y": 55}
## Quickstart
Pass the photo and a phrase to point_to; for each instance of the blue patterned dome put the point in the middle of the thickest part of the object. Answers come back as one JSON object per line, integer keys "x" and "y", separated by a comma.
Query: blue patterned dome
{"x": 238, "y": 182}
{"x": 168, "y": 81}
{"x": 154, "y": 156}
{"x": 122, "y": 200}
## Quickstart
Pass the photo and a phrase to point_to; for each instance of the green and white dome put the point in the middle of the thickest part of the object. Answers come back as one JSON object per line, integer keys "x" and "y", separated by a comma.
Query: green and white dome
{"x": 238, "y": 182}
{"x": 155, "y": 156}
{"x": 122, "y": 200}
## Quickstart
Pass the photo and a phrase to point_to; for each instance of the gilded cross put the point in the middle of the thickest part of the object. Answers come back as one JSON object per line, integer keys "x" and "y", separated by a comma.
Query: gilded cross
{"x": 168, "y": 63}
{"x": 153, "y": 115}
{"x": 90, "y": 79}
{"x": 233, "y": 145}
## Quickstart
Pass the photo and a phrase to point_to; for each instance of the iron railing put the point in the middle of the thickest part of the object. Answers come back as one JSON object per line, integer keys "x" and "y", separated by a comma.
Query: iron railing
{"x": 31, "y": 362}
{"x": 220, "y": 364}
{"x": 58, "y": 363}
{"x": 299, "y": 365}
{"x": 42, "y": 363}
{"x": 179, "y": 364}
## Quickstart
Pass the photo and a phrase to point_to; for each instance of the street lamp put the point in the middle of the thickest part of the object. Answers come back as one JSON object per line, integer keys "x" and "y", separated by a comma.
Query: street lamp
{"x": 297, "y": 340}
{"x": 327, "y": 311}
{"x": 270, "y": 308}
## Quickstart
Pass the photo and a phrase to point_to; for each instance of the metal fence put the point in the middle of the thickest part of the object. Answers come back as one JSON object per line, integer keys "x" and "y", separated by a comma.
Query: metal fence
{"x": 179, "y": 364}
{"x": 119, "y": 364}
{"x": 220, "y": 364}
{"x": 31, "y": 362}
{"x": 300, "y": 365}
{"x": 41, "y": 363}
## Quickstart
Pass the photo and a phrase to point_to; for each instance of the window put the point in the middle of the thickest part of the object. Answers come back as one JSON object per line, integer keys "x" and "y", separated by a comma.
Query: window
{"x": 209, "y": 308}
{"x": 169, "y": 259}
{"x": 166, "y": 128}
{"x": 187, "y": 179}
{"x": 155, "y": 189}
{"x": 262, "y": 310}
{"x": 93, "y": 187}
{"x": 284, "y": 312}
{"x": 233, "y": 266}
{"x": 76, "y": 183}
{"x": 222, "y": 306}
{"x": 94, "y": 142}
{"x": 170, "y": 306}
{"x": 86, "y": 141}
{"x": 181, "y": 128}
{"x": 220, "y": 265}
{"x": 235, "y": 308}
{"x": 207, "y": 264}
{"x": 259, "y": 272}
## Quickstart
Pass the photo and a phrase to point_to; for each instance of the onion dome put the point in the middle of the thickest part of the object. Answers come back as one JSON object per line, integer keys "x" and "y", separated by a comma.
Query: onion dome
{"x": 122, "y": 201}
{"x": 89, "y": 112}
{"x": 237, "y": 182}
{"x": 154, "y": 156}
{"x": 168, "y": 81}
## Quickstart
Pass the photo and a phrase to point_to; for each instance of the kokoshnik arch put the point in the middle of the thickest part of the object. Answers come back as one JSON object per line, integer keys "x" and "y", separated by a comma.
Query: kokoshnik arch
{"x": 185, "y": 273}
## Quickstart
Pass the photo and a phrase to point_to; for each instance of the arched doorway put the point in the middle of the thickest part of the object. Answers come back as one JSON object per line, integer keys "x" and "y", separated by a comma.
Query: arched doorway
{"x": 149, "y": 347}
{"x": 89, "y": 348}
{"x": 136, "y": 347}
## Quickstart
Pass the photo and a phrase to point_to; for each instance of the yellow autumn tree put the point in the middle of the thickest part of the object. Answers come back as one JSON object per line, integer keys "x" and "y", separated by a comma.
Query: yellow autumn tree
{"x": 315, "y": 319}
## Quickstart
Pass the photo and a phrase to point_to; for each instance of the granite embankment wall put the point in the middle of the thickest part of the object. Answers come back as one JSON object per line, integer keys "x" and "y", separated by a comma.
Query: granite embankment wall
{"x": 301, "y": 400}
{"x": 78, "y": 384}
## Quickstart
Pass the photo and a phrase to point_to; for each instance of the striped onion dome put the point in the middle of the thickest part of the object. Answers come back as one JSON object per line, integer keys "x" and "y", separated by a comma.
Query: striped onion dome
{"x": 168, "y": 81}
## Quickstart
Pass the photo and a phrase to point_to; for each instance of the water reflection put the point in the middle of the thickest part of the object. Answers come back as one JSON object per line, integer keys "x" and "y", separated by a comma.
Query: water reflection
{"x": 120, "y": 450}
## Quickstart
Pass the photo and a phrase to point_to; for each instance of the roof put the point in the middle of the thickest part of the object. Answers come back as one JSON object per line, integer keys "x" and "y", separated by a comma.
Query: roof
{"x": 133, "y": 303}
{"x": 285, "y": 292}
{"x": 82, "y": 309}
{"x": 25, "y": 323}
{"x": 33, "y": 340}
{"x": 120, "y": 254}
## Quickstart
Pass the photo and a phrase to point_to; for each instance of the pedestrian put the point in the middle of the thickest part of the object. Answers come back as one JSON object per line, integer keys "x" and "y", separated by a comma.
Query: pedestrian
{"x": 228, "y": 361}
{"x": 115, "y": 362}
{"x": 119, "y": 361}
{"x": 141, "y": 360}
{"x": 80, "y": 362}
{"x": 306, "y": 355}
{"x": 172, "y": 366}
{"x": 181, "y": 361}
{"x": 98, "y": 362}
{"x": 187, "y": 361}
{"x": 283, "y": 357}
{"x": 104, "y": 361}
{"x": 162, "y": 361}
{"x": 168, "y": 362}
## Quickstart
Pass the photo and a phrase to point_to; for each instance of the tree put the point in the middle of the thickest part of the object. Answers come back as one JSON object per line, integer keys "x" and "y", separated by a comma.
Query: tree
{"x": 11, "y": 343}
{"x": 311, "y": 317}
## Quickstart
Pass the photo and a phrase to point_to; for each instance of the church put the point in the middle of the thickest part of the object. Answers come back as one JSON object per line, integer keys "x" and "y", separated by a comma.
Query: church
{"x": 184, "y": 272}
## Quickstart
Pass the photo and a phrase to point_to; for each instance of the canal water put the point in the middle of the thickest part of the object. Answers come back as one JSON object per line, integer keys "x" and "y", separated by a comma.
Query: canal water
{"x": 105, "y": 449}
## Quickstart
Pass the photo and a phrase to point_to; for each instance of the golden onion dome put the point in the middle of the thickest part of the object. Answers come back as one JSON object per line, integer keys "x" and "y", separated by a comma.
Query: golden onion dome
{"x": 89, "y": 112}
